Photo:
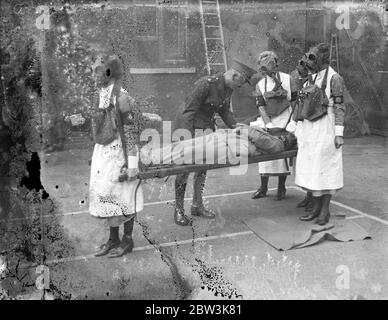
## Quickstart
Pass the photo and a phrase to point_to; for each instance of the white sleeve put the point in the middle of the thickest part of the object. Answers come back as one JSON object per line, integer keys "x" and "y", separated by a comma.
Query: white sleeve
{"x": 339, "y": 131}
{"x": 291, "y": 127}
{"x": 133, "y": 162}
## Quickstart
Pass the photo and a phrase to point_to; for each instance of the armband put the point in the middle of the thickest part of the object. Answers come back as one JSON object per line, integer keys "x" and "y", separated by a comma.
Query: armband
{"x": 338, "y": 99}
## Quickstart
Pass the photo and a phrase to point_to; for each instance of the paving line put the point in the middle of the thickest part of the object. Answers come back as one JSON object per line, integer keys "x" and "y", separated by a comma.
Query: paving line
{"x": 359, "y": 213}
{"x": 148, "y": 247}
{"x": 72, "y": 213}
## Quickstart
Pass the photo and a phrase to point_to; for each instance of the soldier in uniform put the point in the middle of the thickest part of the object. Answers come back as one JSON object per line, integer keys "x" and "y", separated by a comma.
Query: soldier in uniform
{"x": 211, "y": 95}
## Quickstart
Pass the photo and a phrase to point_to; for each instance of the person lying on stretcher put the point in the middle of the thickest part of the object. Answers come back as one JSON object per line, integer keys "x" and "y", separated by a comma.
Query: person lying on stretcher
{"x": 220, "y": 147}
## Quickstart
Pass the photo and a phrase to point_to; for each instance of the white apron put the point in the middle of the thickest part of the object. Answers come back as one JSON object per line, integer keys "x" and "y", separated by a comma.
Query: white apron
{"x": 319, "y": 163}
{"x": 275, "y": 167}
{"x": 107, "y": 196}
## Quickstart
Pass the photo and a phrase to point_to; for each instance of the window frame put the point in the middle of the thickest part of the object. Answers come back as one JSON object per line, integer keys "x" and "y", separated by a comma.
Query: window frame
{"x": 164, "y": 61}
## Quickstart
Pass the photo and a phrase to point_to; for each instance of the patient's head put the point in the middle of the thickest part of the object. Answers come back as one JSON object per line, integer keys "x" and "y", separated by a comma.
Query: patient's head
{"x": 290, "y": 141}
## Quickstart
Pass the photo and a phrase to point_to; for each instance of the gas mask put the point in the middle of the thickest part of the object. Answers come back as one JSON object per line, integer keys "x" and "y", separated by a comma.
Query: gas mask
{"x": 268, "y": 63}
{"x": 317, "y": 58}
{"x": 302, "y": 67}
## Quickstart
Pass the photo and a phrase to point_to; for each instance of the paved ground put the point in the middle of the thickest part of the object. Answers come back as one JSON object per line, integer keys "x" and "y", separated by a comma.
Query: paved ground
{"x": 249, "y": 266}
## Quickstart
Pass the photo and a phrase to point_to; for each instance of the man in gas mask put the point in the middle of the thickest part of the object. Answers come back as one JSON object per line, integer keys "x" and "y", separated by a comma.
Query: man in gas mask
{"x": 319, "y": 131}
{"x": 273, "y": 96}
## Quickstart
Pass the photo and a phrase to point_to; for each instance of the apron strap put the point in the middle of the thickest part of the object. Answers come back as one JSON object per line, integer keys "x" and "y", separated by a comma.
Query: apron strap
{"x": 116, "y": 92}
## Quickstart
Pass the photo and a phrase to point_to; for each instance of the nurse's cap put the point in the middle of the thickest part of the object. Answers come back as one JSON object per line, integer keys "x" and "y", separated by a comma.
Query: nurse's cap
{"x": 242, "y": 68}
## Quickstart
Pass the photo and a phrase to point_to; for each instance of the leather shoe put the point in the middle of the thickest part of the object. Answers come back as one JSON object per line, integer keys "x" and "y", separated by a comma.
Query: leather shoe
{"x": 260, "y": 193}
{"x": 323, "y": 218}
{"x": 309, "y": 207}
{"x": 181, "y": 219}
{"x": 106, "y": 248}
{"x": 309, "y": 217}
{"x": 281, "y": 193}
{"x": 306, "y": 201}
{"x": 126, "y": 246}
{"x": 202, "y": 212}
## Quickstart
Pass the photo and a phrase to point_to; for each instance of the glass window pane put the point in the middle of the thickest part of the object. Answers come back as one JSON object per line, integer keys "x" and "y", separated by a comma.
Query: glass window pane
{"x": 146, "y": 21}
{"x": 174, "y": 33}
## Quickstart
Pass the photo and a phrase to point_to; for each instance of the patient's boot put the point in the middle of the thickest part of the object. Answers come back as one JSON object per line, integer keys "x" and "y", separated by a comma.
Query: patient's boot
{"x": 306, "y": 201}
{"x": 262, "y": 191}
{"x": 317, "y": 205}
{"x": 282, "y": 187}
{"x": 324, "y": 216}
{"x": 198, "y": 208}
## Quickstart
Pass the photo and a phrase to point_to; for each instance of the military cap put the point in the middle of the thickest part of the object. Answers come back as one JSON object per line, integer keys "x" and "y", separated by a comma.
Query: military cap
{"x": 246, "y": 71}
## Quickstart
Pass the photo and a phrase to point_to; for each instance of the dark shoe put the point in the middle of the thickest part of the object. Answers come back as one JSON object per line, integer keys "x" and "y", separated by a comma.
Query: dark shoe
{"x": 281, "y": 193}
{"x": 126, "y": 246}
{"x": 309, "y": 217}
{"x": 305, "y": 202}
{"x": 317, "y": 205}
{"x": 309, "y": 207}
{"x": 202, "y": 212}
{"x": 106, "y": 248}
{"x": 181, "y": 219}
{"x": 323, "y": 218}
{"x": 260, "y": 193}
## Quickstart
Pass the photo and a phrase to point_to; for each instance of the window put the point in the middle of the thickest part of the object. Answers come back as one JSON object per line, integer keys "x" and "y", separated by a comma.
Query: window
{"x": 174, "y": 34}
{"x": 162, "y": 33}
{"x": 145, "y": 13}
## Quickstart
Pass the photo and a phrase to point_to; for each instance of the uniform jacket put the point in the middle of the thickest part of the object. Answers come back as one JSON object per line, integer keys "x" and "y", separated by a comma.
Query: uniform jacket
{"x": 209, "y": 96}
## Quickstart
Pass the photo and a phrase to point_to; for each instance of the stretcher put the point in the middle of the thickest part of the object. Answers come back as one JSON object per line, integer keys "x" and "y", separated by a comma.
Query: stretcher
{"x": 157, "y": 172}
{"x": 154, "y": 172}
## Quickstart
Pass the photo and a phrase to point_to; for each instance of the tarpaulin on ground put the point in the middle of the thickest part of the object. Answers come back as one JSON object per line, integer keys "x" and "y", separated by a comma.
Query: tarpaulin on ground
{"x": 286, "y": 232}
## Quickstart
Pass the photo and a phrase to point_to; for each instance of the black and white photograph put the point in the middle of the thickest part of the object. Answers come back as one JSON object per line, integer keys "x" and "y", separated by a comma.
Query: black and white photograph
{"x": 210, "y": 151}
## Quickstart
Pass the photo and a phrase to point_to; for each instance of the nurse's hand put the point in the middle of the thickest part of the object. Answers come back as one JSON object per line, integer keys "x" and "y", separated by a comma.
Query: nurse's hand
{"x": 338, "y": 141}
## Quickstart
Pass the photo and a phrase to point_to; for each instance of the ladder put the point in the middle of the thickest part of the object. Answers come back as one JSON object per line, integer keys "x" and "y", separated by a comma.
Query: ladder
{"x": 213, "y": 36}
{"x": 334, "y": 50}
